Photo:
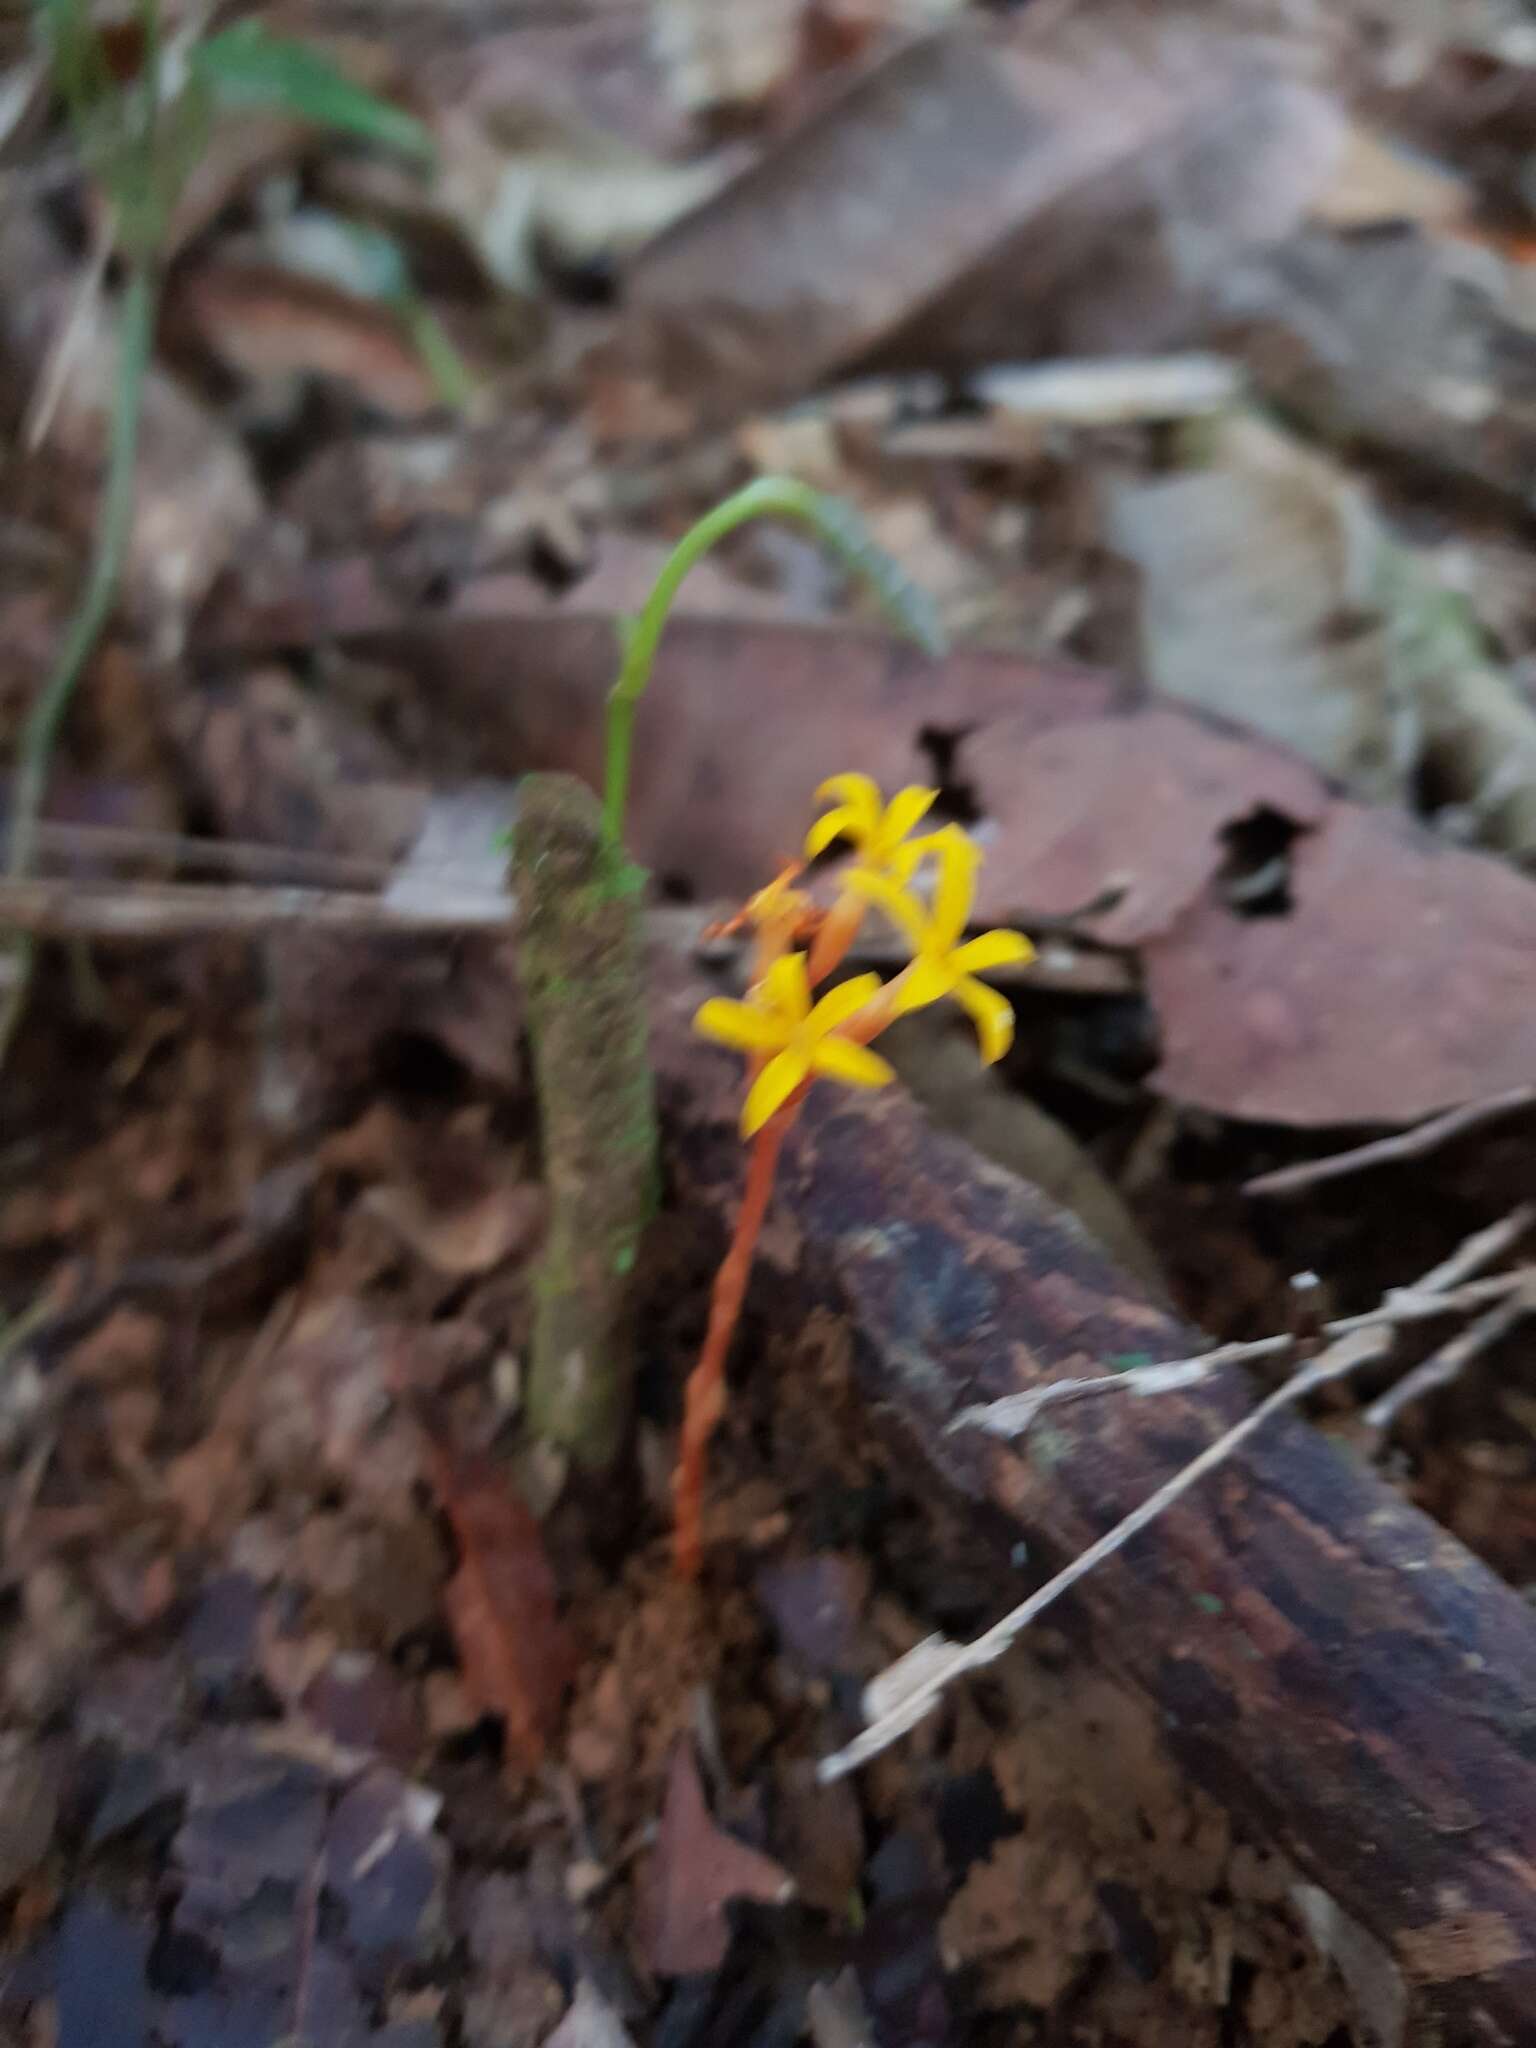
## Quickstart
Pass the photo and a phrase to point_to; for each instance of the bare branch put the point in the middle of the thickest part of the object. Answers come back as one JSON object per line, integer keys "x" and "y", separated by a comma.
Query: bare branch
{"x": 899, "y": 1697}
{"x": 914, "y": 1701}
{"x": 1446, "y": 1364}
{"x": 1412, "y": 1144}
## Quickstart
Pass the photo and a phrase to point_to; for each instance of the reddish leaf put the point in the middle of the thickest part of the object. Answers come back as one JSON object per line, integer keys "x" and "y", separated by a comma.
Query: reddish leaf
{"x": 696, "y": 1869}
{"x": 1278, "y": 1017}
{"x": 265, "y": 322}
{"x": 1401, "y": 981}
{"x": 516, "y": 1655}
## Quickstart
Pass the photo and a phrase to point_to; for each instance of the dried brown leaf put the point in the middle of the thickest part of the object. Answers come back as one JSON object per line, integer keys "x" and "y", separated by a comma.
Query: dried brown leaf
{"x": 268, "y": 323}
{"x": 695, "y": 1871}
{"x": 197, "y": 503}
{"x": 467, "y": 1240}
{"x": 1075, "y": 797}
{"x": 516, "y": 1654}
{"x": 1399, "y": 983}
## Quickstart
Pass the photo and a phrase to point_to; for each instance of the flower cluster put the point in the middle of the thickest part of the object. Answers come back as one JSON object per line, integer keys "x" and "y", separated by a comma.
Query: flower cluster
{"x": 791, "y": 1038}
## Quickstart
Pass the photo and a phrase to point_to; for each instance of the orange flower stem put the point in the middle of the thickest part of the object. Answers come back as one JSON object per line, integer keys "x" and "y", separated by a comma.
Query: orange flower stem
{"x": 837, "y": 932}
{"x": 704, "y": 1396}
{"x": 879, "y": 1012}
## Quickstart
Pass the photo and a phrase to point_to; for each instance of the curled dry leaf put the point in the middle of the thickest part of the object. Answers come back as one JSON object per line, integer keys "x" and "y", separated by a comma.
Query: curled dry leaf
{"x": 1273, "y": 594}
{"x": 271, "y": 325}
{"x": 467, "y": 1240}
{"x": 1256, "y": 602}
{"x": 695, "y": 1871}
{"x": 197, "y": 503}
{"x": 516, "y": 1654}
{"x": 526, "y": 179}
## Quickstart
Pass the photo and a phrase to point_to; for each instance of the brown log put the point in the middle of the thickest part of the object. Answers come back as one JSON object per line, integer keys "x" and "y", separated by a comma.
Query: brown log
{"x": 1329, "y": 1662}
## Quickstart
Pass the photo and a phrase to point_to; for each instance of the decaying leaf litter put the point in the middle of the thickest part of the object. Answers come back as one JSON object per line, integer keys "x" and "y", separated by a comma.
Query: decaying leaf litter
{"x": 1180, "y": 360}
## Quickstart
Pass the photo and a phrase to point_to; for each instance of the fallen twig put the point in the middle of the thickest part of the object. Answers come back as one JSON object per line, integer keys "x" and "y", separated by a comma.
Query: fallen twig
{"x": 1410, "y": 1144}
{"x": 252, "y": 860}
{"x": 1327, "y": 1661}
{"x": 1446, "y": 1364}
{"x": 1012, "y": 1416}
{"x": 913, "y": 1702}
{"x": 904, "y": 1694}
{"x": 171, "y": 910}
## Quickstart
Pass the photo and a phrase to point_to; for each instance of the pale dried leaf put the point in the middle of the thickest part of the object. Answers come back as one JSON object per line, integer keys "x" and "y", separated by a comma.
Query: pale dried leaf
{"x": 726, "y": 53}
{"x": 590, "y": 2023}
{"x": 1479, "y": 743}
{"x": 529, "y": 177}
{"x": 197, "y": 503}
{"x": 464, "y": 1241}
{"x": 1376, "y": 182}
{"x": 1257, "y": 574}
{"x": 1113, "y": 391}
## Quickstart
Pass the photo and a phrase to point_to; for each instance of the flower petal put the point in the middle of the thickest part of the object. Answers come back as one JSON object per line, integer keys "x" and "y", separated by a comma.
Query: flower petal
{"x": 959, "y": 858}
{"x": 908, "y": 807}
{"x": 742, "y": 1026}
{"x": 907, "y": 858}
{"x": 860, "y": 797}
{"x": 835, "y": 825}
{"x": 904, "y": 910}
{"x": 992, "y": 949}
{"x": 839, "y": 1004}
{"x": 773, "y": 1088}
{"x": 926, "y": 981}
{"x": 787, "y": 990}
{"x": 855, "y": 1065}
{"x": 992, "y": 1015}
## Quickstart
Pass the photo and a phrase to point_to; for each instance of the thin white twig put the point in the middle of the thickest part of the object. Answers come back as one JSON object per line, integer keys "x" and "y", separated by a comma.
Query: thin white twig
{"x": 118, "y": 910}
{"x": 1475, "y": 1252}
{"x": 901, "y": 1696}
{"x": 914, "y": 1702}
{"x": 1014, "y": 1413}
{"x": 1410, "y": 1144}
{"x": 253, "y": 860}
{"x": 1452, "y": 1359}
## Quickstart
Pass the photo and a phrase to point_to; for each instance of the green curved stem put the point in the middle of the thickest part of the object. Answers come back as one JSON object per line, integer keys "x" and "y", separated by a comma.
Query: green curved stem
{"x": 135, "y": 332}
{"x": 135, "y": 337}
{"x": 776, "y": 497}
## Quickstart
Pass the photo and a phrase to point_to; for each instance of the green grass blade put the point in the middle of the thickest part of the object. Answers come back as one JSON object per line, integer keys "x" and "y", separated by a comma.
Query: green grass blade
{"x": 249, "y": 67}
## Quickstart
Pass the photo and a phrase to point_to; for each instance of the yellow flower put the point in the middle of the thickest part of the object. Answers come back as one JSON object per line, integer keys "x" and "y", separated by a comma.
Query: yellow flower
{"x": 778, "y": 1023}
{"x": 941, "y": 965}
{"x": 778, "y": 903}
{"x": 876, "y": 828}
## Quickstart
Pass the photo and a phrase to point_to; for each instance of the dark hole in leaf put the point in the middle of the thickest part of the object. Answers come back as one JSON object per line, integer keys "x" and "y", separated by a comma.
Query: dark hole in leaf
{"x": 181, "y": 1963}
{"x": 957, "y": 797}
{"x": 1255, "y": 876}
{"x": 420, "y": 1069}
{"x": 554, "y": 567}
